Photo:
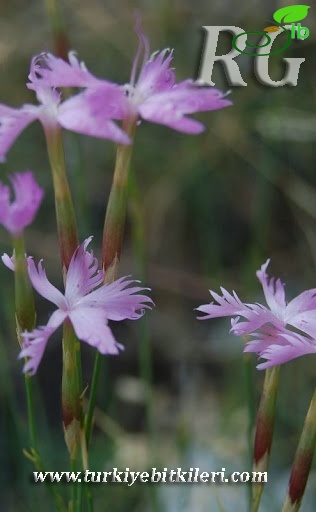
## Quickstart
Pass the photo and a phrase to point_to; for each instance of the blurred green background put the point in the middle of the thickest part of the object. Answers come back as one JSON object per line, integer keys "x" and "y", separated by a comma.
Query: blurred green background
{"x": 205, "y": 211}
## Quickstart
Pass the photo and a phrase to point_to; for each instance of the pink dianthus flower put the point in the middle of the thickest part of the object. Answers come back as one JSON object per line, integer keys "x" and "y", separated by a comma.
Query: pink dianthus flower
{"x": 154, "y": 95}
{"x": 87, "y": 303}
{"x": 278, "y": 333}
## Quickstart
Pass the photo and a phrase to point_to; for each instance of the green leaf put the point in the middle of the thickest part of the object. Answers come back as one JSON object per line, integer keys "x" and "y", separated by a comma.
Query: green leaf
{"x": 291, "y": 14}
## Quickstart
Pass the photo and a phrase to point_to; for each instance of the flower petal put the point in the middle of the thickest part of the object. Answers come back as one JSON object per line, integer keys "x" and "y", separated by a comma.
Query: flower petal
{"x": 119, "y": 302}
{"x": 42, "y": 285}
{"x": 8, "y": 261}
{"x": 279, "y": 346}
{"x": 55, "y": 72}
{"x": 305, "y": 321}
{"x": 278, "y": 354}
{"x": 4, "y": 203}
{"x": 19, "y": 213}
{"x": 92, "y": 111}
{"x": 90, "y": 325}
{"x": 83, "y": 274}
{"x": 305, "y": 301}
{"x": 273, "y": 291}
{"x": 12, "y": 123}
{"x": 169, "y": 107}
{"x": 256, "y": 317}
{"x": 35, "y": 342}
{"x": 228, "y": 305}
{"x": 156, "y": 74}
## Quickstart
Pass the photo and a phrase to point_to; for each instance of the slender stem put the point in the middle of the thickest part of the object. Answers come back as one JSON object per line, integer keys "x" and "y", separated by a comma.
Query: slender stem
{"x": 71, "y": 399}
{"x": 90, "y": 506}
{"x": 65, "y": 214}
{"x": 92, "y": 400}
{"x": 264, "y": 430}
{"x": 302, "y": 461}
{"x": 80, "y": 184}
{"x": 25, "y": 319}
{"x": 144, "y": 350}
{"x": 145, "y": 362}
{"x": 30, "y": 410}
{"x": 71, "y": 406}
{"x": 75, "y": 502}
{"x": 24, "y": 297}
{"x": 248, "y": 376}
{"x": 59, "y": 34}
{"x": 68, "y": 242}
{"x": 114, "y": 222}
{"x": 113, "y": 233}
{"x": 145, "y": 354}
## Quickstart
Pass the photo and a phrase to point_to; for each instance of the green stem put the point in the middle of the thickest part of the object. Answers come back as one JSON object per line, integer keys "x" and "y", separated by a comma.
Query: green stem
{"x": 75, "y": 502}
{"x": 80, "y": 184}
{"x": 68, "y": 243}
{"x": 25, "y": 319}
{"x": 302, "y": 461}
{"x": 92, "y": 400}
{"x": 71, "y": 399}
{"x": 57, "y": 25}
{"x": 24, "y": 297}
{"x": 89, "y": 501}
{"x": 30, "y": 410}
{"x": 264, "y": 430}
{"x": 114, "y": 222}
{"x": 248, "y": 376}
{"x": 65, "y": 213}
{"x": 144, "y": 350}
{"x": 145, "y": 362}
{"x": 113, "y": 232}
{"x": 145, "y": 354}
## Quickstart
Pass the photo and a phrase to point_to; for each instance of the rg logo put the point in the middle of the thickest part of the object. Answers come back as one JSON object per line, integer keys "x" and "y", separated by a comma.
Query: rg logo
{"x": 260, "y": 52}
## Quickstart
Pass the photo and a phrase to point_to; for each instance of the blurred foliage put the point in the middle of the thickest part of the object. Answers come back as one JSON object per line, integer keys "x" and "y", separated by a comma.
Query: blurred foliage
{"x": 215, "y": 207}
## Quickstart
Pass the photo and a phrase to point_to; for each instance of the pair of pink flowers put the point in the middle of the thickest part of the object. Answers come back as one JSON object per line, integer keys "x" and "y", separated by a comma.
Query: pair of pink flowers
{"x": 154, "y": 96}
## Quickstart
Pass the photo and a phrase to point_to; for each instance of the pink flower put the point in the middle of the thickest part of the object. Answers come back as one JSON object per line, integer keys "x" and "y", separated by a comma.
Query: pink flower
{"x": 49, "y": 112}
{"x": 17, "y": 214}
{"x": 279, "y": 333}
{"x": 87, "y": 303}
{"x": 154, "y": 95}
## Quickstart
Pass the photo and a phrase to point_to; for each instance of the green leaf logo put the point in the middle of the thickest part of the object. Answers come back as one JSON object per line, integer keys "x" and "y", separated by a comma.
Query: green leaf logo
{"x": 291, "y": 14}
